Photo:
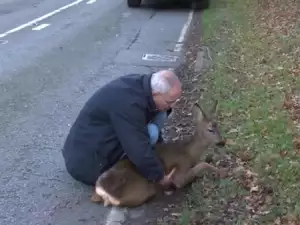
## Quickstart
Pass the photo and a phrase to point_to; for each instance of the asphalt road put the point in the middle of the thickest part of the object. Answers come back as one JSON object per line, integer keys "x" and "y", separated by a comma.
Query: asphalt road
{"x": 49, "y": 67}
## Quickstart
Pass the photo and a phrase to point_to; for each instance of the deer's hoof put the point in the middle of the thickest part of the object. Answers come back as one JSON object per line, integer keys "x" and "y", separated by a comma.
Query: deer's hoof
{"x": 106, "y": 203}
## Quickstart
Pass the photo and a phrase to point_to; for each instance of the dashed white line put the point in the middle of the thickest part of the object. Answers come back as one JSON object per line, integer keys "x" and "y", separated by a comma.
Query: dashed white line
{"x": 33, "y": 22}
{"x": 3, "y": 42}
{"x": 91, "y": 1}
{"x": 178, "y": 46}
{"x": 42, "y": 26}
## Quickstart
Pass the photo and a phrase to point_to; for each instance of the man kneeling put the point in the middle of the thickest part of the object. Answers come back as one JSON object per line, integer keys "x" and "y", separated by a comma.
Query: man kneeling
{"x": 124, "y": 118}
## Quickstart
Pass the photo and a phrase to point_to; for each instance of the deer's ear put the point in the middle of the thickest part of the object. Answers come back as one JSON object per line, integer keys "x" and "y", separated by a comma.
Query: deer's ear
{"x": 198, "y": 113}
{"x": 213, "y": 110}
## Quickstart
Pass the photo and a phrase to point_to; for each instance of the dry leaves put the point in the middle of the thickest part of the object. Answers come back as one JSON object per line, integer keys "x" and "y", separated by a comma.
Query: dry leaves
{"x": 287, "y": 220}
{"x": 230, "y": 142}
{"x": 295, "y": 71}
{"x": 264, "y": 132}
{"x": 292, "y": 104}
{"x": 278, "y": 18}
{"x": 245, "y": 155}
{"x": 259, "y": 196}
{"x": 283, "y": 153}
{"x": 296, "y": 144}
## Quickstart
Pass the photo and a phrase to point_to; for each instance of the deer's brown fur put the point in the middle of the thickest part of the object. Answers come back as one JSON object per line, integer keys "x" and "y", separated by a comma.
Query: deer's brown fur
{"x": 123, "y": 186}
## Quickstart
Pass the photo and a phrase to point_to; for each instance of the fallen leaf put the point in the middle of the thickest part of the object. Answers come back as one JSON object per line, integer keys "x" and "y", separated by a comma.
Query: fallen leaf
{"x": 287, "y": 103}
{"x": 245, "y": 155}
{"x": 229, "y": 142}
{"x": 277, "y": 221}
{"x": 251, "y": 174}
{"x": 228, "y": 114}
{"x": 264, "y": 131}
{"x": 254, "y": 189}
{"x": 296, "y": 143}
{"x": 264, "y": 213}
{"x": 233, "y": 131}
{"x": 269, "y": 199}
{"x": 283, "y": 153}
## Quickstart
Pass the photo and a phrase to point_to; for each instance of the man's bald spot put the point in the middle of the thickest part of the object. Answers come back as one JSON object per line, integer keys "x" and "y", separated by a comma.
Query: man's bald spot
{"x": 172, "y": 79}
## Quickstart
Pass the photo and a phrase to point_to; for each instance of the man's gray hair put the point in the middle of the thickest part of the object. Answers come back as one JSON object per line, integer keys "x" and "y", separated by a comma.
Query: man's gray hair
{"x": 159, "y": 83}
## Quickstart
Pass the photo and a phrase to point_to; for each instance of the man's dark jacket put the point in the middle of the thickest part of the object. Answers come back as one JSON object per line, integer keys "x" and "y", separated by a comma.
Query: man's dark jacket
{"x": 113, "y": 122}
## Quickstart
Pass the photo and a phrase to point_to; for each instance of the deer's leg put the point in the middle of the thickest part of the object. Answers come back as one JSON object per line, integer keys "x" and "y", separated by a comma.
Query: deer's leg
{"x": 96, "y": 198}
{"x": 100, "y": 195}
{"x": 184, "y": 179}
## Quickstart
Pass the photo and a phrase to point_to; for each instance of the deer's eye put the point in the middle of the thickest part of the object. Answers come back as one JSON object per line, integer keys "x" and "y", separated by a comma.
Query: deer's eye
{"x": 210, "y": 130}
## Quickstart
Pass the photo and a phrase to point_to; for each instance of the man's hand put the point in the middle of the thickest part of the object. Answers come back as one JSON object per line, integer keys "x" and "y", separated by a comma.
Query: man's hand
{"x": 167, "y": 180}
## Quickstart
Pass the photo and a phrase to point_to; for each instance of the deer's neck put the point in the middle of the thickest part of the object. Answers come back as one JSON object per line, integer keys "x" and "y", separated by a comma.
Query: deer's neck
{"x": 198, "y": 146}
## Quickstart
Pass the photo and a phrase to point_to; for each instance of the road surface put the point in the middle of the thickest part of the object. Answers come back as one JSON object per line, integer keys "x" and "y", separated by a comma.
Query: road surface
{"x": 53, "y": 56}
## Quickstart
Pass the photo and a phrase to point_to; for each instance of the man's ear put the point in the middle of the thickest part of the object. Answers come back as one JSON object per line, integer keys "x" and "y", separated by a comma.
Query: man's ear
{"x": 154, "y": 94}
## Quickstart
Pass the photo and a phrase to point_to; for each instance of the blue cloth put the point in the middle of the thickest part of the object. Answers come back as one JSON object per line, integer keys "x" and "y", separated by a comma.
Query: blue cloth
{"x": 155, "y": 126}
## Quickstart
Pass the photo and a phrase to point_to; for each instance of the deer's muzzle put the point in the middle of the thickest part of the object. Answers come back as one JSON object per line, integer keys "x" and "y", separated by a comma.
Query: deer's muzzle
{"x": 221, "y": 143}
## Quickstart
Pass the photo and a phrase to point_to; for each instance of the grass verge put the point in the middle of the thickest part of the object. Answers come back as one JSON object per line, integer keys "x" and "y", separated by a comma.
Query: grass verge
{"x": 255, "y": 76}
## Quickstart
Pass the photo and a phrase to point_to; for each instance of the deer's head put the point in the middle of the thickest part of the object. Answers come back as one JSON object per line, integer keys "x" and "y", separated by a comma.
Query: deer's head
{"x": 207, "y": 126}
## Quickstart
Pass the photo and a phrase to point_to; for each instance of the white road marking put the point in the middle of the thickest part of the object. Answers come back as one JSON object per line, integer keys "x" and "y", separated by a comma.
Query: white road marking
{"x": 126, "y": 14}
{"x": 161, "y": 58}
{"x": 3, "y": 42}
{"x": 116, "y": 216}
{"x": 33, "y": 22}
{"x": 178, "y": 46}
{"x": 91, "y": 1}
{"x": 42, "y": 26}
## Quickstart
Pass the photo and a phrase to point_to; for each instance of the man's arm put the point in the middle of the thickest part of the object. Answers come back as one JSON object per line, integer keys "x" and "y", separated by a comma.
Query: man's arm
{"x": 131, "y": 129}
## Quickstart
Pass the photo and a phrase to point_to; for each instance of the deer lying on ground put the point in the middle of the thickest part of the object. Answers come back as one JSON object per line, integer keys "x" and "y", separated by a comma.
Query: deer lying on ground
{"x": 123, "y": 186}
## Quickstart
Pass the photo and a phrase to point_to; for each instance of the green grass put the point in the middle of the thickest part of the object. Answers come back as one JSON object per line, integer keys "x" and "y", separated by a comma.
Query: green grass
{"x": 249, "y": 77}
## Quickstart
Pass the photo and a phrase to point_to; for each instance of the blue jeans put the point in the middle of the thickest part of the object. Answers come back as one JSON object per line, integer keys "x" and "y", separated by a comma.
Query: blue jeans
{"x": 155, "y": 126}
